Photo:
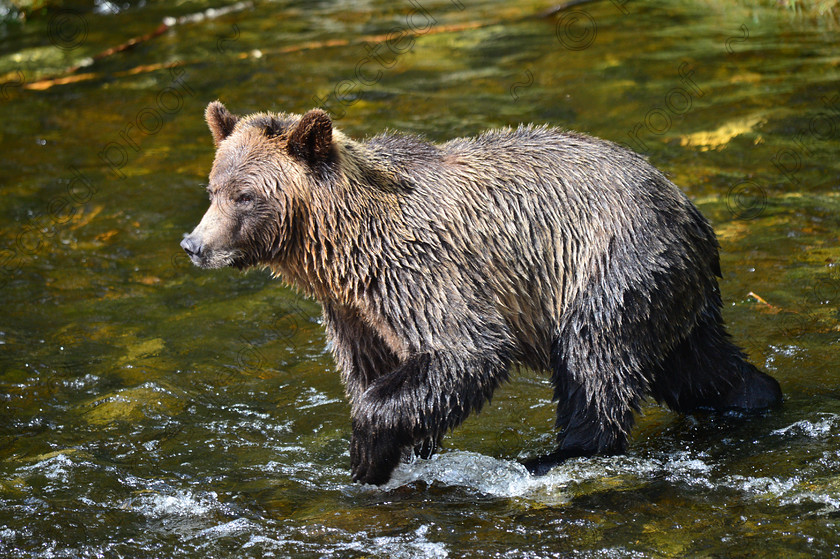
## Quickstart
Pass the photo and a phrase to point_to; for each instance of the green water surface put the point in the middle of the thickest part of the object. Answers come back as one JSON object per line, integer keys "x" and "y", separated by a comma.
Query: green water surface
{"x": 151, "y": 409}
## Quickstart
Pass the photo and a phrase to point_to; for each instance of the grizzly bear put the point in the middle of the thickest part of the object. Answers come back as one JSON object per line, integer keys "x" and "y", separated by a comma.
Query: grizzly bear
{"x": 441, "y": 266}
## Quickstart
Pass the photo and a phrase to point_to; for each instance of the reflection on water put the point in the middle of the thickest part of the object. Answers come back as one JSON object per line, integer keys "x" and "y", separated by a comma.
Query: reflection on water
{"x": 151, "y": 409}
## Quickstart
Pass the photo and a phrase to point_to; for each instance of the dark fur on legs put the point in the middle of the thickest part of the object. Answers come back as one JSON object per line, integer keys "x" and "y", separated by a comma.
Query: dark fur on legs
{"x": 705, "y": 371}
{"x": 424, "y": 397}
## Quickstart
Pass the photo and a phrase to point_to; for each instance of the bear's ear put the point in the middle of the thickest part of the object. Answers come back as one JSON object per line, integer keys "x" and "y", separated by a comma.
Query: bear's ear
{"x": 220, "y": 121}
{"x": 311, "y": 139}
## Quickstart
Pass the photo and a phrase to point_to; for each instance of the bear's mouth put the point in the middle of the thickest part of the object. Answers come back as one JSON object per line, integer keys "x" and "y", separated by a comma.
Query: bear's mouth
{"x": 212, "y": 259}
{"x": 239, "y": 259}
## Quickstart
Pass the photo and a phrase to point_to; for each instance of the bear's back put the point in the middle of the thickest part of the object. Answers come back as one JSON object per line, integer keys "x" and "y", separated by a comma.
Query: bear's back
{"x": 531, "y": 216}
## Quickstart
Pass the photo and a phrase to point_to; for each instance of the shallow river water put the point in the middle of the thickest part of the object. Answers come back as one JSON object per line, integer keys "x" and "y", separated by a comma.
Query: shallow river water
{"x": 150, "y": 409}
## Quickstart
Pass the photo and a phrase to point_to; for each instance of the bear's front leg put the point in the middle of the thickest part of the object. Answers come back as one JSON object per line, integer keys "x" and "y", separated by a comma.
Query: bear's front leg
{"x": 386, "y": 420}
{"x": 374, "y": 452}
{"x": 423, "y": 397}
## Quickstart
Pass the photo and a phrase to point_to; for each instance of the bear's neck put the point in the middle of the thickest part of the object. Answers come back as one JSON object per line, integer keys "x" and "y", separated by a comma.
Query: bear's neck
{"x": 345, "y": 226}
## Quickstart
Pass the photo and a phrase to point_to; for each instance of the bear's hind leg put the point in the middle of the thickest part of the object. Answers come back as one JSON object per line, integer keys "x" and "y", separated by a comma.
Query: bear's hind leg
{"x": 708, "y": 371}
{"x": 585, "y": 430}
{"x": 594, "y": 413}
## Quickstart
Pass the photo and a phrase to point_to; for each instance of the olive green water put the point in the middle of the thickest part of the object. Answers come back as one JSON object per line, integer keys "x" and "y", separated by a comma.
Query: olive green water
{"x": 150, "y": 409}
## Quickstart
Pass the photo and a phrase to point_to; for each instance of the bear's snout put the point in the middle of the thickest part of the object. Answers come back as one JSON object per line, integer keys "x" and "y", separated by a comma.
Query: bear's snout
{"x": 206, "y": 252}
{"x": 192, "y": 246}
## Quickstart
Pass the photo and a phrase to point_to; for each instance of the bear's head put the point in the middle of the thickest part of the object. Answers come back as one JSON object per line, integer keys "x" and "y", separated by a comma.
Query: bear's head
{"x": 265, "y": 165}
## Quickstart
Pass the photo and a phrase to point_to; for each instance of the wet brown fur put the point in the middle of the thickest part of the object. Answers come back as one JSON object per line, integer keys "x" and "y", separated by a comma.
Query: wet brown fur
{"x": 441, "y": 266}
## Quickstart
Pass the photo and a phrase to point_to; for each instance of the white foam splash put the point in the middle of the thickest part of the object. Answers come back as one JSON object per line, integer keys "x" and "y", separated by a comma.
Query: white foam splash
{"x": 232, "y": 528}
{"x": 488, "y": 475}
{"x": 505, "y": 478}
{"x": 180, "y": 503}
{"x": 786, "y": 491}
{"x": 315, "y": 398}
{"x": 411, "y": 545}
{"x": 831, "y": 504}
{"x": 405, "y": 546}
{"x": 58, "y": 467}
{"x": 690, "y": 470}
{"x": 828, "y": 425}
{"x": 764, "y": 487}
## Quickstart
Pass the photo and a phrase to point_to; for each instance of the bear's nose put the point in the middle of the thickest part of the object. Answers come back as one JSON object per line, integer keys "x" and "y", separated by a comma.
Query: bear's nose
{"x": 191, "y": 245}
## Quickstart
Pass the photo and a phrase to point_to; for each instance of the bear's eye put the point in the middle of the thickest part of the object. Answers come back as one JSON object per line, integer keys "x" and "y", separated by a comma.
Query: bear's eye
{"x": 244, "y": 199}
